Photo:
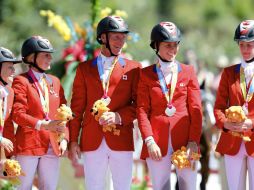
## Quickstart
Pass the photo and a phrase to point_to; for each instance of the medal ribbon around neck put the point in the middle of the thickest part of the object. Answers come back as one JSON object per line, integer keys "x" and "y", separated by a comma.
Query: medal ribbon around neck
{"x": 3, "y": 110}
{"x": 105, "y": 84}
{"x": 163, "y": 84}
{"x": 247, "y": 90}
{"x": 41, "y": 89}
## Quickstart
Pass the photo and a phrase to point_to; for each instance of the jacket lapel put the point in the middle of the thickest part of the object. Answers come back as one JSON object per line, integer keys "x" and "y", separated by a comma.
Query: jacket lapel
{"x": 155, "y": 77}
{"x": 238, "y": 89}
{"x": 95, "y": 78}
{"x": 116, "y": 75}
{"x": 179, "y": 70}
{"x": 31, "y": 82}
{"x": 94, "y": 70}
{"x": 10, "y": 98}
{"x": 51, "y": 88}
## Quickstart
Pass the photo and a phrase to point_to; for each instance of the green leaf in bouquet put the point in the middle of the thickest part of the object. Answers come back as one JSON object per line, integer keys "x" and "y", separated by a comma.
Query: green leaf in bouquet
{"x": 6, "y": 185}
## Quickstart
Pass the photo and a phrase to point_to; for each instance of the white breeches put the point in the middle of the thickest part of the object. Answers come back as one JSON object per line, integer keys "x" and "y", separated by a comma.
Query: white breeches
{"x": 96, "y": 164}
{"x": 161, "y": 170}
{"x": 47, "y": 167}
{"x": 236, "y": 169}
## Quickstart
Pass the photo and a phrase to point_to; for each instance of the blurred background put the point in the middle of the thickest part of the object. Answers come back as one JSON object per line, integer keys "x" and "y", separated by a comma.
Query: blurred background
{"x": 207, "y": 27}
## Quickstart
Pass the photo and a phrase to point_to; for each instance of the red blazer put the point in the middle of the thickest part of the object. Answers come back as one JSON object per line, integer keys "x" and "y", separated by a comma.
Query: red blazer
{"x": 229, "y": 94}
{"x": 27, "y": 110}
{"x": 87, "y": 88}
{"x": 185, "y": 125}
{"x": 9, "y": 134}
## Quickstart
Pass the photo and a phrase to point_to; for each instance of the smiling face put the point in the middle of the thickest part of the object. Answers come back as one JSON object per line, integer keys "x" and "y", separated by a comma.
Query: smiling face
{"x": 7, "y": 71}
{"x": 247, "y": 50}
{"x": 168, "y": 50}
{"x": 116, "y": 43}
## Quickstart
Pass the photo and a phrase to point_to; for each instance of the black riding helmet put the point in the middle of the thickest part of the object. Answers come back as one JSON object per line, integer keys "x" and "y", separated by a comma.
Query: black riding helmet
{"x": 35, "y": 44}
{"x": 164, "y": 32}
{"x": 245, "y": 31}
{"x": 111, "y": 24}
{"x": 7, "y": 56}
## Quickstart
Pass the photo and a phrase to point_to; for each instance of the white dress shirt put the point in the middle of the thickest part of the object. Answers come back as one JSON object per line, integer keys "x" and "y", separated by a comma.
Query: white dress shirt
{"x": 248, "y": 70}
{"x": 166, "y": 68}
{"x": 107, "y": 64}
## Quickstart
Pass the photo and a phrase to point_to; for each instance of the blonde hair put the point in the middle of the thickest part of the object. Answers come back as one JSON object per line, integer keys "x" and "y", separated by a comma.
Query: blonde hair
{"x": 30, "y": 57}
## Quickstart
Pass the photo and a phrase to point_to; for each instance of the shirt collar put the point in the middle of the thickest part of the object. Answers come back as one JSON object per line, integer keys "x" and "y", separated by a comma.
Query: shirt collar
{"x": 166, "y": 65}
{"x": 105, "y": 59}
{"x": 245, "y": 65}
{"x": 39, "y": 75}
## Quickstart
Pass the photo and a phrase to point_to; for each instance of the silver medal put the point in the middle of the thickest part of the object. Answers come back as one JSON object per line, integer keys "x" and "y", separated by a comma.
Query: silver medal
{"x": 170, "y": 111}
{"x": 51, "y": 90}
{"x": 245, "y": 109}
{"x": 107, "y": 100}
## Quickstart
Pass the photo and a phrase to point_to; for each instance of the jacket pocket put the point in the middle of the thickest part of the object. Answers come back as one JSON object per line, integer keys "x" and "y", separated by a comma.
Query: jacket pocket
{"x": 228, "y": 144}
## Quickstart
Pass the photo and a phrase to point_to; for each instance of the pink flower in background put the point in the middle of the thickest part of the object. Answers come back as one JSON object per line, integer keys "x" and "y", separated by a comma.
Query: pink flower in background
{"x": 75, "y": 52}
{"x": 96, "y": 52}
{"x": 135, "y": 180}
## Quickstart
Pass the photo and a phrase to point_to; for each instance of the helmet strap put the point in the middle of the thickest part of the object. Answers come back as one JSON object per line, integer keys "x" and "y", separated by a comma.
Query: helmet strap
{"x": 2, "y": 80}
{"x": 157, "y": 52}
{"x": 108, "y": 46}
{"x": 34, "y": 64}
{"x": 164, "y": 60}
{"x": 249, "y": 61}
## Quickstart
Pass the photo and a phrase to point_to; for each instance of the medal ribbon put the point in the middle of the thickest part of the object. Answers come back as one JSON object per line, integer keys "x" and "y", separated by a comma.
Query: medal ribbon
{"x": 105, "y": 84}
{"x": 163, "y": 83}
{"x": 46, "y": 93}
{"x": 42, "y": 88}
{"x": 249, "y": 90}
{"x": 3, "y": 110}
{"x": 3, "y": 105}
{"x": 1, "y": 113}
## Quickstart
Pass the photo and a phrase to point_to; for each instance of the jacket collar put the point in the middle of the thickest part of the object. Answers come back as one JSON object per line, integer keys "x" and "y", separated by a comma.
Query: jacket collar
{"x": 179, "y": 68}
{"x": 121, "y": 61}
{"x": 237, "y": 68}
